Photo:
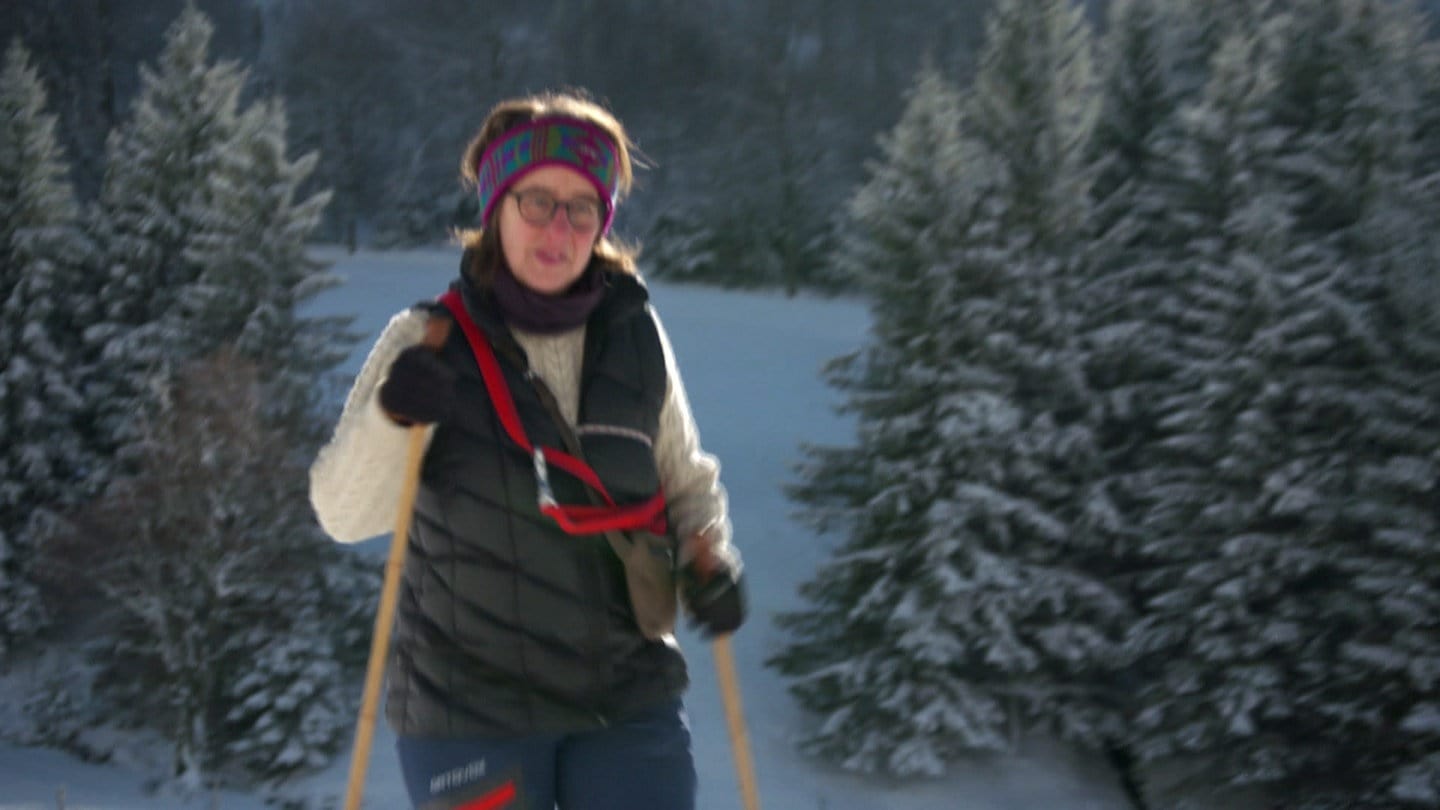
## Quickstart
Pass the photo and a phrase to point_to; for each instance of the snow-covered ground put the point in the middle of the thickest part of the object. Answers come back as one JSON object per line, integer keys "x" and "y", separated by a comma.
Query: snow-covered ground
{"x": 750, "y": 363}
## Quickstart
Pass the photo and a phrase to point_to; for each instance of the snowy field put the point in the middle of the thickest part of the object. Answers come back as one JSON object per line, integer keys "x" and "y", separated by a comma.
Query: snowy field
{"x": 750, "y": 363}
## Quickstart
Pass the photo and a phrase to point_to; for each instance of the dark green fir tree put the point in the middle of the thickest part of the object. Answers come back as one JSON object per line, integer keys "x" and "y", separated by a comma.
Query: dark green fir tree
{"x": 45, "y": 458}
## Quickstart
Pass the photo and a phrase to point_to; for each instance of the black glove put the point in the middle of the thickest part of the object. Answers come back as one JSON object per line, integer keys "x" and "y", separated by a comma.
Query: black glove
{"x": 716, "y": 605}
{"x": 420, "y": 388}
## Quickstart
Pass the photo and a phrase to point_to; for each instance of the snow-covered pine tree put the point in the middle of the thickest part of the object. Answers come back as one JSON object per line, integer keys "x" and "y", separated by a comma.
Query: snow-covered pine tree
{"x": 290, "y": 697}
{"x": 680, "y": 247}
{"x": 903, "y": 221}
{"x": 164, "y": 169}
{"x": 1037, "y": 60}
{"x": 870, "y": 655}
{"x": 1134, "y": 271}
{"x": 43, "y": 458}
{"x": 288, "y": 702}
{"x": 1126, "y": 293}
{"x": 207, "y": 567}
{"x": 1413, "y": 278}
{"x": 204, "y": 236}
{"x": 1021, "y": 514}
{"x": 1200, "y": 27}
{"x": 1126, "y": 299}
{"x": 255, "y": 274}
{"x": 1405, "y": 226}
{"x": 1287, "y": 529}
{"x": 1388, "y": 675}
{"x": 1197, "y": 486}
{"x": 298, "y": 642}
{"x": 963, "y": 608}
{"x": 1361, "y": 477}
{"x": 1139, "y": 98}
{"x": 288, "y": 705}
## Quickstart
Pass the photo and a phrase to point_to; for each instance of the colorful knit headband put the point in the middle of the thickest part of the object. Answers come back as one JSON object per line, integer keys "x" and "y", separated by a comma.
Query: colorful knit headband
{"x": 568, "y": 142}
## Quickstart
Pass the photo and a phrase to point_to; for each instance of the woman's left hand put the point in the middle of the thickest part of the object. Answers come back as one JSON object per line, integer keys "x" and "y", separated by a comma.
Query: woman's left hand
{"x": 713, "y": 592}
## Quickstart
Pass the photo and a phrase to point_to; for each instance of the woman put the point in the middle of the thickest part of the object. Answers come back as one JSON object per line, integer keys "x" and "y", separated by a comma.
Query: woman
{"x": 523, "y": 664}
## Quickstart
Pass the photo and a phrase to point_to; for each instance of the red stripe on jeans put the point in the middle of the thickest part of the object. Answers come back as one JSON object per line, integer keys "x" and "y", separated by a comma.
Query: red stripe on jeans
{"x": 497, "y": 798}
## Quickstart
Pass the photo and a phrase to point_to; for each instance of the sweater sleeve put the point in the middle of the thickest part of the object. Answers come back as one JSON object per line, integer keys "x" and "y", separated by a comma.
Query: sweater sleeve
{"x": 696, "y": 499}
{"x": 356, "y": 478}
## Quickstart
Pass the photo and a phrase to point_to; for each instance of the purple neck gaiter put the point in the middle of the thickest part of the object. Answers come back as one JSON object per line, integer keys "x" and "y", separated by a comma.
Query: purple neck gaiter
{"x": 547, "y": 314}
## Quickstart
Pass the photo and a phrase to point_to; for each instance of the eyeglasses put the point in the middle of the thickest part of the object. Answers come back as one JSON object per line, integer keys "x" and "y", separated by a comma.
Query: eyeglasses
{"x": 538, "y": 207}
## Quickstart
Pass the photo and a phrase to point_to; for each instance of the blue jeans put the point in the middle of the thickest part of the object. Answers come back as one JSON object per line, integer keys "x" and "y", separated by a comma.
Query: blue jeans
{"x": 640, "y": 761}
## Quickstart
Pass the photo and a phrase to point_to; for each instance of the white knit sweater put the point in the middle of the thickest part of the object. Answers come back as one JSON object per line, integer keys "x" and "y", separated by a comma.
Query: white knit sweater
{"x": 356, "y": 479}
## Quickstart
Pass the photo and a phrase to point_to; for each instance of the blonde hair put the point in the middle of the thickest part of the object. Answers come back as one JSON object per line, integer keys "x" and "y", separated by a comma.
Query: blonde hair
{"x": 482, "y": 245}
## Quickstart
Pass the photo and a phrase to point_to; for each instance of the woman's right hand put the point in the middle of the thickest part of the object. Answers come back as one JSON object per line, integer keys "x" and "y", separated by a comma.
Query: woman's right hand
{"x": 419, "y": 389}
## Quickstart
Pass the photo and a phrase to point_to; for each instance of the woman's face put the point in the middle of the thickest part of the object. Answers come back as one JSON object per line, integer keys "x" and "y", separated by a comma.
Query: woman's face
{"x": 549, "y": 255}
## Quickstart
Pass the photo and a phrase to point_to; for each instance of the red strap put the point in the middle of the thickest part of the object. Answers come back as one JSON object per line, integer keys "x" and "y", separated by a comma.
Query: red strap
{"x": 649, "y": 514}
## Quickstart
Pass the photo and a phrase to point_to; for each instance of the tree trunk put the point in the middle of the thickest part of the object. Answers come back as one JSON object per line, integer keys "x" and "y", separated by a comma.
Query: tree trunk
{"x": 1123, "y": 761}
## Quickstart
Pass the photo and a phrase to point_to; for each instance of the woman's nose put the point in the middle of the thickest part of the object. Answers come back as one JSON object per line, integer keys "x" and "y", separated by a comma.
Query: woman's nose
{"x": 560, "y": 221}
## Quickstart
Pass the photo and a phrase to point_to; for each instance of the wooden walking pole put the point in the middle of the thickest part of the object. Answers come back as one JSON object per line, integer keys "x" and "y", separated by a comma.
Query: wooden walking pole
{"x": 436, "y": 330}
{"x": 735, "y": 716}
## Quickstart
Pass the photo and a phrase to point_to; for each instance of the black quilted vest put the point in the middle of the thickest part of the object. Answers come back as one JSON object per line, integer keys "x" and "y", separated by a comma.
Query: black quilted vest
{"x": 506, "y": 625}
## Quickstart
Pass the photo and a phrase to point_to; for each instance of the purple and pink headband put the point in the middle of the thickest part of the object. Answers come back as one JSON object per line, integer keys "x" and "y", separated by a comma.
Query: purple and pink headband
{"x": 568, "y": 142}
